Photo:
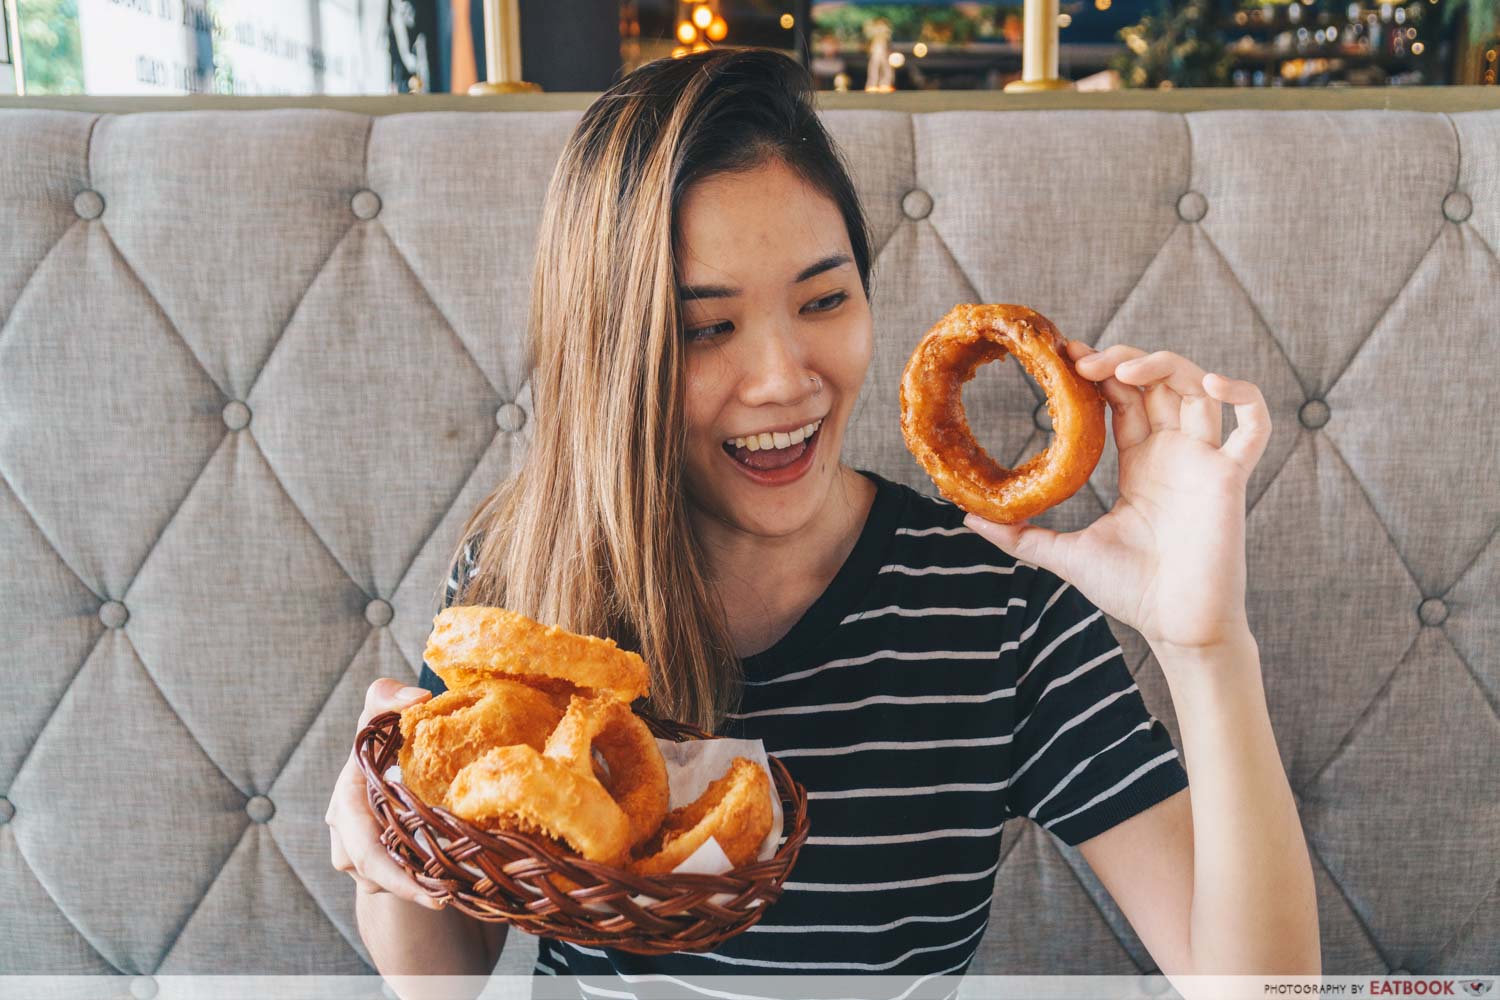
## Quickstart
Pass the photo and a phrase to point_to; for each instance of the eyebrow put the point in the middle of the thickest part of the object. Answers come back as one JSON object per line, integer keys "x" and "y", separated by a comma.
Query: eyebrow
{"x": 828, "y": 263}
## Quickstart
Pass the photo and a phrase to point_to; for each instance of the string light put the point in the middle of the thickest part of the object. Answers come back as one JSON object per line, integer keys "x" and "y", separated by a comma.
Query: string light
{"x": 787, "y": 21}
{"x": 701, "y": 23}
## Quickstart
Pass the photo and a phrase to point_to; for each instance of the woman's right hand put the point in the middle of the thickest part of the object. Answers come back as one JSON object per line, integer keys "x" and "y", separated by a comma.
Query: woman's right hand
{"x": 355, "y": 832}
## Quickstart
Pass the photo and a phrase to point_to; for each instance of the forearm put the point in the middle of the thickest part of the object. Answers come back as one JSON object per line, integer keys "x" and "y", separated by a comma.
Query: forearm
{"x": 405, "y": 939}
{"x": 1254, "y": 908}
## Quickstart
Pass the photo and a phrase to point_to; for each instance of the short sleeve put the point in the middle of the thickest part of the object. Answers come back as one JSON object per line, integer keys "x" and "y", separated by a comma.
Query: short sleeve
{"x": 1087, "y": 753}
{"x": 427, "y": 678}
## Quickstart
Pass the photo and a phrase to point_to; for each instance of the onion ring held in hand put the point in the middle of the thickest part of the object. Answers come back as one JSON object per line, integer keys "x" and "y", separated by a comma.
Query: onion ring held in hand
{"x": 937, "y": 430}
{"x": 473, "y": 644}
{"x": 735, "y": 809}
{"x": 637, "y": 773}
{"x": 441, "y": 735}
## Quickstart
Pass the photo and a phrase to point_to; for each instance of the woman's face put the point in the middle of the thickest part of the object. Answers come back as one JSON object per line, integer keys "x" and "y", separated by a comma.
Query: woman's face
{"x": 771, "y": 298}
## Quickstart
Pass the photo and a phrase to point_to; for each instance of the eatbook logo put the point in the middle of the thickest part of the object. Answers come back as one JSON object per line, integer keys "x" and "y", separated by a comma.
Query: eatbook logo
{"x": 1477, "y": 987}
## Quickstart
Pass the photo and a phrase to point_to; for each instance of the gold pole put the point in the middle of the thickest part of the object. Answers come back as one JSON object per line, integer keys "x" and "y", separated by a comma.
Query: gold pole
{"x": 14, "y": 21}
{"x": 502, "y": 51}
{"x": 1038, "y": 49}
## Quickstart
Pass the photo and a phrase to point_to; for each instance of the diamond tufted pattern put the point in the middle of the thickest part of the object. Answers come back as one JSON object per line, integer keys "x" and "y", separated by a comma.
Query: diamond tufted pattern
{"x": 256, "y": 367}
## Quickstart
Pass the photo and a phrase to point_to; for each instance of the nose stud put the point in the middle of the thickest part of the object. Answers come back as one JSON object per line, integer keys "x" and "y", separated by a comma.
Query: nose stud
{"x": 817, "y": 383}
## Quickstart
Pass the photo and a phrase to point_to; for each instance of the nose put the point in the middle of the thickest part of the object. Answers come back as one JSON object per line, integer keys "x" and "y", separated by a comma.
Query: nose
{"x": 774, "y": 370}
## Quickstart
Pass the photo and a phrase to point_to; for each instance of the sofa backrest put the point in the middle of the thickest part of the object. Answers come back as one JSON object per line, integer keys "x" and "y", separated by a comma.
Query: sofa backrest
{"x": 257, "y": 366}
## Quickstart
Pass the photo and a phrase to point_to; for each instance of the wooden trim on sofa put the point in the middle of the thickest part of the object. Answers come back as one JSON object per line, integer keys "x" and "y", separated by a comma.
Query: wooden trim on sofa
{"x": 1430, "y": 99}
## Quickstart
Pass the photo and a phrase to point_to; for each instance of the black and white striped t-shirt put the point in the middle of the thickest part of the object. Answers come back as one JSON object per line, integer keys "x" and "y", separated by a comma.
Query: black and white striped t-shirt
{"x": 937, "y": 688}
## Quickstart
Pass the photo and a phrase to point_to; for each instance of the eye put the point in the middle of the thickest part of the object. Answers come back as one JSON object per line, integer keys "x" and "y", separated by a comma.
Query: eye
{"x": 832, "y": 301}
{"x": 707, "y": 332}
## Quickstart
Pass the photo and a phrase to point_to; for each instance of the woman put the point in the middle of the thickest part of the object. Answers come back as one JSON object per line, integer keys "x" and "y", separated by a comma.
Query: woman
{"x": 700, "y": 330}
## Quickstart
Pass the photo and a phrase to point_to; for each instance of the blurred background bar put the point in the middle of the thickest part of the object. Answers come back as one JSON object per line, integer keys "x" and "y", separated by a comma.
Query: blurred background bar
{"x": 377, "y": 47}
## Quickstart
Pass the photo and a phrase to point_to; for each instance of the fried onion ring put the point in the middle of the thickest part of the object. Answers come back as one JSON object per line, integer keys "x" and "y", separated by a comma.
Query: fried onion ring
{"x": 637, "y": 774}
{"x": 518, "y": 788}
{"x": 937, "y": 430}
{"x": 735, "y": 809}
{"x": 441, "y": 735}
{"x": 472, "y": 644}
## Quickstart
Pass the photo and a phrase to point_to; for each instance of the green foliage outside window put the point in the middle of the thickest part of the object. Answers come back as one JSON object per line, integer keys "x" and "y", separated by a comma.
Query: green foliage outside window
{"x": 1177, "y": 45}
{"x": 911, "y": 22}
{"x": 51, "y": 53}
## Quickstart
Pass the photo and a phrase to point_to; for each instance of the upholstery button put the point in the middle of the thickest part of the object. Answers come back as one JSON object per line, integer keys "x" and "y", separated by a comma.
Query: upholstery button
{"x": 378, "y": 613}
{"x": 1042, "y": 417}
{"x": 510, "y": 418}
{"x": 236, "y": 415}
{"x": 1457, "y": 206}
{"x": 917, "y": 204}
{"x": 1192, "y": 206}
{"x": 142, "y": 987}
{"x": 88, "y": 204}
{"x": 260, "y": 808}
{"x": 1314, "y": 414}
{"x": 113, "y": 614}
{"x": 1433, "y": 611}
{"x": 366, "y": 204}
{"x": 6, "y": 810}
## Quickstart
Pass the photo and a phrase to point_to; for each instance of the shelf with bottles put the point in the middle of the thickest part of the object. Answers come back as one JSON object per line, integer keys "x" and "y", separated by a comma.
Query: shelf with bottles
{"x": 1300, "y": 43}
{"x": 1357, "y": 28}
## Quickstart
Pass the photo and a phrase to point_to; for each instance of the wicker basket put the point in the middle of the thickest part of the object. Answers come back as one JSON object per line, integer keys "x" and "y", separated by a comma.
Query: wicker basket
{"x": 515, "y": 886}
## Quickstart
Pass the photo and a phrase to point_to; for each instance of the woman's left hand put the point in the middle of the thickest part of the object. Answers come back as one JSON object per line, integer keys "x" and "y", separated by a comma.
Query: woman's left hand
{"x": 1169, "y": 558}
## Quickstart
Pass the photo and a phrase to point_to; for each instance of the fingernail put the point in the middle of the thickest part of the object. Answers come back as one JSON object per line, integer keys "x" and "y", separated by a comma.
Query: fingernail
{"x": 410, "y": 694}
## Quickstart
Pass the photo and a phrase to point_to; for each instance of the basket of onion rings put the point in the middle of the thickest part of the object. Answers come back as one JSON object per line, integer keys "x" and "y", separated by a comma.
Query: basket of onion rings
{"x": 531, "y": 792}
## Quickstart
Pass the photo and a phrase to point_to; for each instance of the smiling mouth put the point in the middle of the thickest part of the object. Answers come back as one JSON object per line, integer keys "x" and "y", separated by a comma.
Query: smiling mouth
{"x": 765, "y": 459}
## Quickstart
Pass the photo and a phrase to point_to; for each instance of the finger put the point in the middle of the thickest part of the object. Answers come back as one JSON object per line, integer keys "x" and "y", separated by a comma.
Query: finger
{"x": 1027, "y": 542}
{"x": 1127, "y": 403}
{"x": 1077, "y": 350}
{"x": 1163, "y": 403}
{"x": 364, "y": 885}
{"x": 386, "y": 693}
{"x": 360, "y": 834}
{"x": 336, "y": 853}
{"x": 1252, "y": 430}
{"x": 1127, "y": 406}
{"x": 372, "y": 863}
{"x": 1198, "y": 414}
{"x": 1101, "y": 364}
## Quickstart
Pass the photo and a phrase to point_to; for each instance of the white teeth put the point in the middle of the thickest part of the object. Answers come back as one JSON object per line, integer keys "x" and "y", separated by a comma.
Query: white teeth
{"x": 776, "y": 439}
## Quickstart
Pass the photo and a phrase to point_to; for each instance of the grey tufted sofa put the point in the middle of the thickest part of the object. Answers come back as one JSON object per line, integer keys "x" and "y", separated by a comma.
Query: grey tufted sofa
{"x": 256, "y": 366}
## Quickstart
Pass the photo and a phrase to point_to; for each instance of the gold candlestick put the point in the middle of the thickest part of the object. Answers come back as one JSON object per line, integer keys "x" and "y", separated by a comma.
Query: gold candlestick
{"x": 1038, "y": 49}
{"x": 502, "y": 51}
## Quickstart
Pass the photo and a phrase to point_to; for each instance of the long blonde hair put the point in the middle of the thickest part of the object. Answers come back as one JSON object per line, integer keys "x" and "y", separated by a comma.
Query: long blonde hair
{"x": 592, "y": 533}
